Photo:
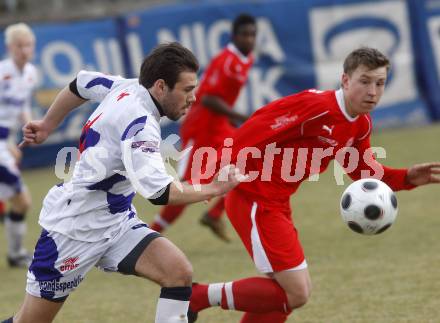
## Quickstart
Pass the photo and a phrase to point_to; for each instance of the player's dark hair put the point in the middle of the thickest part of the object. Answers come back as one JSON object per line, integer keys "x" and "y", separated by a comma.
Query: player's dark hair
{"x": 367, "y": 56}
{"x": 166, "y": 62}
{"x": 240, "y": 20}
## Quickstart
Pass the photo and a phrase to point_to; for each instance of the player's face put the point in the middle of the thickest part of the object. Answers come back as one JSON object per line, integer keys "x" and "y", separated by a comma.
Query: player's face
{"x": 22, "y": 49}
{"x": 363, "y": 89}
{"x": 177, "y": 101}
{"x": 245, "y": 38}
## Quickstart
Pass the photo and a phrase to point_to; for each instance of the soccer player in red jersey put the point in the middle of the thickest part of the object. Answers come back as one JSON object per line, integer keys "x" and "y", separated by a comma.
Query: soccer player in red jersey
{"x": 287, "y": 141}
{"x": 211, "y": 119}
{"x": 2, "y": 211}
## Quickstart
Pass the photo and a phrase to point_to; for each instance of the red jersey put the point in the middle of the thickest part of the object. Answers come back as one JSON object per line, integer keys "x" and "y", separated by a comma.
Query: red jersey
{"x": 298, "y": 136}
{"x": 224, "y": 77}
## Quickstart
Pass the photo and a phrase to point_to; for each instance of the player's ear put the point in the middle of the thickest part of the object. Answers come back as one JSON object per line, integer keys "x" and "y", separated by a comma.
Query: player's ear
{"x": 160, "y": 86}
{"x": 344, "y": 80}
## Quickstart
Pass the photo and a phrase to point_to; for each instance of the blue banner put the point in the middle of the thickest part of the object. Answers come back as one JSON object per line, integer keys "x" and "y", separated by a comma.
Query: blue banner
{"x": 425, "y": 17}
{"x": 300, "y": 45}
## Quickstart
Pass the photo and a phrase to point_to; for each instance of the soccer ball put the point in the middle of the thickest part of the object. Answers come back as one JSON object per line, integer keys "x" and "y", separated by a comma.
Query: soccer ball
{"x": 368, "y": 206}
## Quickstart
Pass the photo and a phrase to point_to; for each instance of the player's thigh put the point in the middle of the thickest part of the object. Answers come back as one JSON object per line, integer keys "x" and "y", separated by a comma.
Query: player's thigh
{"x": 297, "y": 285}
{"x": 165, "y": 264}
{"x": 37, "y": 310}
{"x": 143, "y": 252}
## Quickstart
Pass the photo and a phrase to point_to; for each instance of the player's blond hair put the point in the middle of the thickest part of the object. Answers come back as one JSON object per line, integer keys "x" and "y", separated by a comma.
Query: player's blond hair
{"x": 15, "y": 31}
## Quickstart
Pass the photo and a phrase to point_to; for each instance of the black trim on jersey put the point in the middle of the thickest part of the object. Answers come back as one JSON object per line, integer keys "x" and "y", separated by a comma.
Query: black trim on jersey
{"x": 158, "y": 106}
{"x": 74, "y": 89}
{"x": 163, "y": 198}
{"x": 128, "y": 264}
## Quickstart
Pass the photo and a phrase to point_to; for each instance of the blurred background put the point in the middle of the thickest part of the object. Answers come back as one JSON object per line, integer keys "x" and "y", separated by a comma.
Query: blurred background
{"x": 301, "y": 44}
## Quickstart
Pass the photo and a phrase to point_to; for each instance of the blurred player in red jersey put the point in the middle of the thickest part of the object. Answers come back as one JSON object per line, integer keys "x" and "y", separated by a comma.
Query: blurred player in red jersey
{"x": 298, "y": 136}
{"x": 211, "y": 119}
{"x": 2, "y": 211}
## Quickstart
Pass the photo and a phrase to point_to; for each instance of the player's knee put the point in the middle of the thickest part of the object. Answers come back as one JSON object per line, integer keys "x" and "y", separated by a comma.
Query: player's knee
{"x": 180, "y": 274}
{"x": 299, "y": 297}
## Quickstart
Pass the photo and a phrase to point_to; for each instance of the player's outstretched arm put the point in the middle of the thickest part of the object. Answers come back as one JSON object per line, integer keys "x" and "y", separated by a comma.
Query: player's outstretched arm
{"x": 225, "y": 180}
{"x": 422, "y": 174}
{"x": 37, "y": 131}
{"x": 218, "y": 105}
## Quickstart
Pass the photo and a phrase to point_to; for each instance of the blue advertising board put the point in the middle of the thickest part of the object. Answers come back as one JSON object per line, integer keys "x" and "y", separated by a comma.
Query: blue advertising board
{"x": 300, "y": 45}
{"x": 425, "y": 17}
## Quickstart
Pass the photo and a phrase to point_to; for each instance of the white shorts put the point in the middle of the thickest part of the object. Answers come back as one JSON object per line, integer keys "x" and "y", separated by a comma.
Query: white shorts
{"x": 10, "y": 178}
{"x": 60, "y": 263}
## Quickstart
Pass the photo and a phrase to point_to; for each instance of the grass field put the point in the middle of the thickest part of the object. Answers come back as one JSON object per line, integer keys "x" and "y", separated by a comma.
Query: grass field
{"x": 390, "y": 278}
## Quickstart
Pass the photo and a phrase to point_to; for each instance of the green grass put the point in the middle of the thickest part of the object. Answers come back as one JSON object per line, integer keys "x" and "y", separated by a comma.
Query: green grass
{"x": 389, "y": 278}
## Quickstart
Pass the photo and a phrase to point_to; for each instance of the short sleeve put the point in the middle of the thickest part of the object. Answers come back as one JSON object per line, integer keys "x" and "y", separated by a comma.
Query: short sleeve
{"x": 95, "y": 86}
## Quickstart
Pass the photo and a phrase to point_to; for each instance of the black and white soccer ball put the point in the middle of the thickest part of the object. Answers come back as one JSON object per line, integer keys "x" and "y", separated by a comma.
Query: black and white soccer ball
{"x": 368, "y": 206}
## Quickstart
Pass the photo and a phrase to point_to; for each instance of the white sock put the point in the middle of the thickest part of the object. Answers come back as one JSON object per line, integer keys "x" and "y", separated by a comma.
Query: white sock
{"x": 173, "y": 304}
{"x": 215, "y": 294}
{"x": 171, "y": 311}
{"x": 15, "y": 231}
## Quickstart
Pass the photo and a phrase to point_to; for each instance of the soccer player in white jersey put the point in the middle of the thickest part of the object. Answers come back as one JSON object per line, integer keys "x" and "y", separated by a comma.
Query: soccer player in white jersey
{"x": 18, "y": 78}
{"x": 90, "y": 221}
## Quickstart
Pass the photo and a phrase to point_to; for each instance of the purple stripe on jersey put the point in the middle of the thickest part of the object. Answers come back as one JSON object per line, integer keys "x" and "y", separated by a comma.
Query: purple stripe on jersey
{"x": 43, "y": 263}
{"x": 100, "y": 81}
{"x": 107, "y": 184}
{"x": 134, "y": 127}
{"x": 11, "y": 179}
{"x": 88, "y": 139}
{"x": 17, "y": 103}
{"x": 119, "y": 203}
{"x": 4, "y": 133}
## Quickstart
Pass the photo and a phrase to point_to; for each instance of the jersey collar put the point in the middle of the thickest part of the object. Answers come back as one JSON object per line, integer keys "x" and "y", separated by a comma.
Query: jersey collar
{"x": 157, "y": 104}
{"x": 341, "y": 104}
{"x": 232, "y": 48}
{"x": 149, "y": 101}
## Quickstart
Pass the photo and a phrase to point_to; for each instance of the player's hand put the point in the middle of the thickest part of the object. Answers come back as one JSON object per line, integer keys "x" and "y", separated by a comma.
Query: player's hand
{"x": 227, "y": 178}
{"x": 422, "y": 174}
{"x": 34, "y": 132}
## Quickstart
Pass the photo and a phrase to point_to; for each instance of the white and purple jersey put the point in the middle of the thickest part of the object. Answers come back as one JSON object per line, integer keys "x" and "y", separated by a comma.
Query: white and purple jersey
{"x": 16, "y": 89}
{"x": 122, "y": 136}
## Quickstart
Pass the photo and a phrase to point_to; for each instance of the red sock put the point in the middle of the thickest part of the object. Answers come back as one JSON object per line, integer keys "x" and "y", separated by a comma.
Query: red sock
{"x": 272, "y": 317}
{"x": 256, "y": 295}
{"x": 216, "y": 211}
{"x": 199, "y": 297}
{"x": 167, "y": 216}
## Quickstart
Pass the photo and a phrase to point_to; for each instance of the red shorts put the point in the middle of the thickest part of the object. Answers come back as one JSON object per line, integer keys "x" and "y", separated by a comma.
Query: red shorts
{"x": 267, "y": 232}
